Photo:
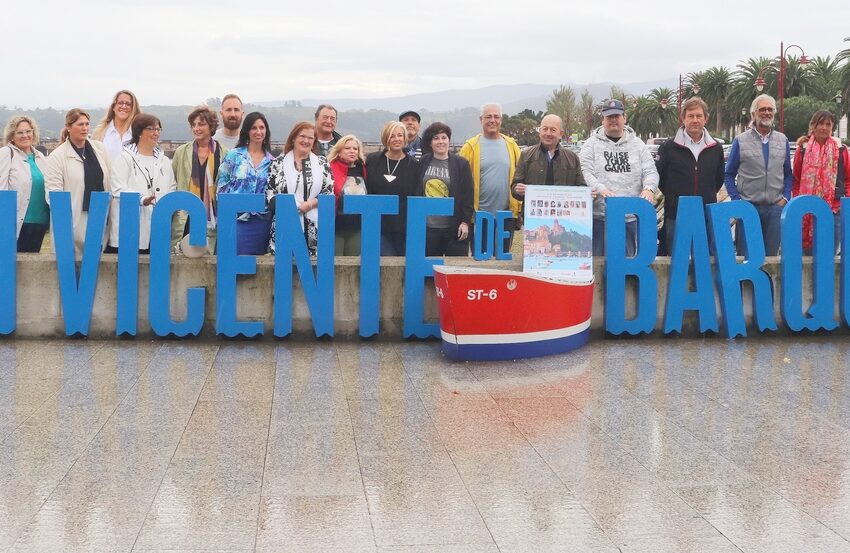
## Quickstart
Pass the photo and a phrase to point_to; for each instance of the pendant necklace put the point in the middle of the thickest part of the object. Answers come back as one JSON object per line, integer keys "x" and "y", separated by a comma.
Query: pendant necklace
{"x": 390, "y": 174}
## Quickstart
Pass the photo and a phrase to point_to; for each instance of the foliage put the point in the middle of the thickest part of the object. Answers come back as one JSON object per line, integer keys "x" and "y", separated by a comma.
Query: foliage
{"x": 522, "y": 127}
{"x": 563, "y": 104}
{"x": 798, "y": 112}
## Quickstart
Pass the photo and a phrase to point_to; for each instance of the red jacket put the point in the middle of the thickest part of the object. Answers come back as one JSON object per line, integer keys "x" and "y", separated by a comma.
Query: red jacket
{"x": 339, "y": 170}
{"x": 842, "y": 176}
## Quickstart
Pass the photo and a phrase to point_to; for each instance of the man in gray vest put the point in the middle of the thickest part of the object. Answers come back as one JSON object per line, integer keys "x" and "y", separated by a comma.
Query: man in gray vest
{"x": 759, "y": 171}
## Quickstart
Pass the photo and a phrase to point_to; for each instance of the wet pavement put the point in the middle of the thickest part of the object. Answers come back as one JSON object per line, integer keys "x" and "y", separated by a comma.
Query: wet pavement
{"x": 626, "y": 445}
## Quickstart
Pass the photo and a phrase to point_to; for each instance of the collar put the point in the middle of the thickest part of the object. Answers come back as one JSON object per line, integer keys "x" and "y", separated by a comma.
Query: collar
{"x": 134, "y": 150}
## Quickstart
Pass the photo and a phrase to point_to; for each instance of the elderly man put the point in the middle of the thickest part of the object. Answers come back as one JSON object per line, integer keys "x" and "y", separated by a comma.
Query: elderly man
{"x": 326, "y": 135}
{"x": 547, "y": 162}
{"x": 492, "y": 157}
{"x": 411, "y": 121}
{"x": 759, "y": 171}
{"x": 231, "y": 119}
{"x": 615, "y": 162}
{"x": 690, "y": 164}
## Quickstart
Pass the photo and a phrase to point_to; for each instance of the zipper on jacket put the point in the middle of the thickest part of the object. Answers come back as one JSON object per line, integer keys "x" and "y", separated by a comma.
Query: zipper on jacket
{"x": 696, "y": 179}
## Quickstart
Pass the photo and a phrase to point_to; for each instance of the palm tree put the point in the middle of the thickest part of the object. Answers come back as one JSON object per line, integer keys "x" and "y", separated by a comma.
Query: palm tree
{"x": 823, "y": 77}
{"x": 744, "y": 78}
{"x": 715, "y": 85}
{"x": 844, "y": 79}
{"x": 665, "y": 110}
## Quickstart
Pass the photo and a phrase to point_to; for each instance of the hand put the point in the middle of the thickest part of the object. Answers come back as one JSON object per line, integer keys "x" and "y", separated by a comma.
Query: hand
{"x": 462, "y": 231}
{"x": 519, "y": 188}
{"x": 782, "y": 202}
{"x": 150, "y": 200}
{"x": 647, "y": 195}
{"x": 303, "y": 207}
{"x": 605, "y": 193}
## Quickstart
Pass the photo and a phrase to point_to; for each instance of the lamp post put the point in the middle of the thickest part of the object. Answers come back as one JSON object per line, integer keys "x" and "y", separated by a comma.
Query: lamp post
{"x": 803, "y": 60}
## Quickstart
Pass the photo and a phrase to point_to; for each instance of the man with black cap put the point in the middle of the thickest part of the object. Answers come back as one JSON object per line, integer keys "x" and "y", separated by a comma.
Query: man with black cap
{"x": 411, "y": 120}
{"x": 615, "y": 162}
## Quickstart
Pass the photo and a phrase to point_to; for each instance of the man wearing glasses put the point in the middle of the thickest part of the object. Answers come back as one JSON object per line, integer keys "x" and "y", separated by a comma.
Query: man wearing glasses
{"x": 759, "y": 171}
{"x": 492, "y": 157}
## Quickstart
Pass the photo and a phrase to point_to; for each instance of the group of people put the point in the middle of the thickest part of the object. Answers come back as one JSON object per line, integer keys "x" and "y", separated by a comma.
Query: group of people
{"x": 490, "y": 172}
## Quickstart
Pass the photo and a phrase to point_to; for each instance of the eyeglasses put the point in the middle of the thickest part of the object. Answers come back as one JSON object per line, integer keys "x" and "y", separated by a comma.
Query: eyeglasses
{"x": 306, "y": 137}
{"x": 124, "y": 103}
{"x": 24, "y": 133}
{"x": 153, "y": 129}
{"x": 766, "y": 110}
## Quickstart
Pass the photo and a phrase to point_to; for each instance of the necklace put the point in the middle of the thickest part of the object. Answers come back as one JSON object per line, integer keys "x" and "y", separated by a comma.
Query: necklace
{"x": 390, "y": 176}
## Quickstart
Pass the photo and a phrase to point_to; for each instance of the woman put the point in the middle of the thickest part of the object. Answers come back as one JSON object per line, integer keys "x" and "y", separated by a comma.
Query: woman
{"x": 445, "y": 175}
{"x": 346, "y": 162}
{"x": 821, "y": 168}
{"x": 114, "y": 129}
{"x": 143, "y": 168}
{"x": 196, "y": 165}
{"x": 21, "y": 169}
{"x": 391, "y": 172}
{"x": 245, "y": 170}
{"x": 79, "y": 166}
{"x": 300, "y": 172}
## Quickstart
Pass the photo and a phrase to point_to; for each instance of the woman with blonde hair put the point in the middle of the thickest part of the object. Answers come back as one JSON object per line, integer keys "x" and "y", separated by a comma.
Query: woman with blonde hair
{"x": 114, "y": 129}
{"x": 391, "y": 172}
{"x": 79, "y": 166}
{"x": 21, "y": 169}
{"x": 300, "y": 172}
{"x": 347, "y": 167}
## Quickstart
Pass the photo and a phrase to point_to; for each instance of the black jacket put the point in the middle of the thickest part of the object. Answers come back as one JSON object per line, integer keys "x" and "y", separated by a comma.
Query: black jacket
{"x": 404, "y": 185}
{"x": 681, "y": 175}
{"x": 460, "y": 187}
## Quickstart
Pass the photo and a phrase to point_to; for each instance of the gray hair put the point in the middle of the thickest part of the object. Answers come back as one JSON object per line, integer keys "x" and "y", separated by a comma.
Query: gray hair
{"x": 759, "y": 98}
{"x": 490, "y": 105}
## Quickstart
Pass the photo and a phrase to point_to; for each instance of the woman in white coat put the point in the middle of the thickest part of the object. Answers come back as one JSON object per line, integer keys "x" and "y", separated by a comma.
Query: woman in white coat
{"x": 79, "y": 166}
{"x": 21, "y": 169}
{"x": 142, "y": 167}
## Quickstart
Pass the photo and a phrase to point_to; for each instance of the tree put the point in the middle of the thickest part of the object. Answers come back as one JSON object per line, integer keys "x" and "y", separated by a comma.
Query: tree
{"x": 823, "y": 77}
{"x": 563, "y": 104}
{"x": 592, "y": 118}
{"x": 715, "y": 84}
{"x": 798, "y": 112}
{"x": 522, "y": 127}
{"x": 744, "y": 78}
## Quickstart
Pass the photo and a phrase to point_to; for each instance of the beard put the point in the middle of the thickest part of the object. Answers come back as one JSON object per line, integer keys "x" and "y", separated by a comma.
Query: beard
{"x": 765, "y": 122}
{"x": 232, "y": 124}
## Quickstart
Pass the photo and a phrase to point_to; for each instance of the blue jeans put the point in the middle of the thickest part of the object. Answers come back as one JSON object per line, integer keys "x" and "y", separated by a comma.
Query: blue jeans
{"x": 769, "y": 216}
{"x": 599, "y": 238}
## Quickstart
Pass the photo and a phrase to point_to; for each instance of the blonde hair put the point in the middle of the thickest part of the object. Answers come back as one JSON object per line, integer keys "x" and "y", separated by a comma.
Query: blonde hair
{"x": 12, "y": 126}
{"x": 100, "y": 131}
{"x": 70, "y": 118}
{"x": 337, "y": 148}
{"x": 389, "y": 128}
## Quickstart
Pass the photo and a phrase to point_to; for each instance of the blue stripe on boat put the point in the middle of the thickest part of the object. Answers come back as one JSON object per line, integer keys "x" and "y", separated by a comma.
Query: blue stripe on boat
{"x": 496, "y": 351}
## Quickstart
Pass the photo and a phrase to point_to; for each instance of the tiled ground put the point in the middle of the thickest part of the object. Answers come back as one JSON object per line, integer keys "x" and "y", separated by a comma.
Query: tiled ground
{"x": 626, "y": 445}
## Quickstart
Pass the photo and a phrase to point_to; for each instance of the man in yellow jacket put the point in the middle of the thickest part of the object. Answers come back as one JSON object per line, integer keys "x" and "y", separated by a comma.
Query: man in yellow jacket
{"x": 492, "y": 157}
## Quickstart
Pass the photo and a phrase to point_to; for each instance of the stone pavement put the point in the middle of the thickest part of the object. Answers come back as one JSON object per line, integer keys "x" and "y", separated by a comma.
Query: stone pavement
{"x": 626, "y": 445}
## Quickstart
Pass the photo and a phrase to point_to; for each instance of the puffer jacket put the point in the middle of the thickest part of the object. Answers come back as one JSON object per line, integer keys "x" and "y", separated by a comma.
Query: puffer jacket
{"x": 625, "y": 167}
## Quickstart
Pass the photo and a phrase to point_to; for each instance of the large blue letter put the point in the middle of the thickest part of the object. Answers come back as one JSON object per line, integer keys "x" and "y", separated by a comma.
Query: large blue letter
{"x": 823, "y": 270}
{"x": 230, "y": 264}
{"x": 159, "y": 297}
{"x": 370, "y": 208}
{"x": 8, "y": 264}
{"x": 417, "y": 267}
{"x": 730, "y": 273}
{"x": 482, "y": 243}
{"x": 844, "y": 213}
{"x": 290, "y": 243}
{"x": 618, "y": 266}
{"x": 690, "y": 237}
{"x": 501, "y": 236}
{"x": 128, "y": 265}
{"x": 77, "y": 298}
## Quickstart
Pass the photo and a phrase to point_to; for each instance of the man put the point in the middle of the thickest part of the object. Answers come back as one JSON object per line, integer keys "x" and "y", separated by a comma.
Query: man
{"x": 547, "y": 162}
{"x": 690, "y": 164}
{"x": 492, "y": 157}
{"x": 759, "y": 171}
{"x": 411, "y": 122}
{"x": 231, "y": 118}
{"x": 326, "y": 135}
{"x": 615, "y": 162}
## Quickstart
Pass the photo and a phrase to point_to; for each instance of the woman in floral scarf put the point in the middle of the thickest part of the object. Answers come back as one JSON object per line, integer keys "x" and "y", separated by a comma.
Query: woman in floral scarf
{"x": 821, "y": 169}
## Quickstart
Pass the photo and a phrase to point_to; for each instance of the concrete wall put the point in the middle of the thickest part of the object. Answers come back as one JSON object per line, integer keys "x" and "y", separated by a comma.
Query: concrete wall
{"x": 39, "y": 312}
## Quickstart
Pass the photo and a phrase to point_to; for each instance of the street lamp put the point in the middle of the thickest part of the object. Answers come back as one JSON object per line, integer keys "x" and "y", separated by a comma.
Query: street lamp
{"x": 803, "y": 61}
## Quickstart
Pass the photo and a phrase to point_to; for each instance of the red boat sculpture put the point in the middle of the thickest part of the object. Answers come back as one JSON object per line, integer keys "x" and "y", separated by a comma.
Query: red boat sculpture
{"x": 491, "y": 314}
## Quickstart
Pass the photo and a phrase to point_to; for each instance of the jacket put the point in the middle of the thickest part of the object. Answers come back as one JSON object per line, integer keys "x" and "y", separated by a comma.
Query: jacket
{"x": 128, "y": 175}
{"x": 471, "y": 151}
{"x": 842, "y": 177}
{"x": 534, "y": 161}
{"x": 757, "y": 172}
{"x": 460, "y": 187}
{"x": 404, "y": 185}
{"x": 15, "y": 175}
{"x": 64, "y": 172}
{"x": 625, "y": 167}
{"x": 181, "y": 164}
{"x": 679, "y": 174}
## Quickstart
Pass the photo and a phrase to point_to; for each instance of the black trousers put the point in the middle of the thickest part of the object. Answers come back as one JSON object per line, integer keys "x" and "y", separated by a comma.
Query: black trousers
{"x": 31, "y": 237}
{"x": 443, "y": 241}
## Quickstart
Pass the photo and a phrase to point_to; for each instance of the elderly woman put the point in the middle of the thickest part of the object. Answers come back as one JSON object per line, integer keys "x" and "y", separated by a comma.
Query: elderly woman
{"x": 21, "y": 167}
{"x": 196, "y": 165}
{"x": 142, "y": 167}
{"x": 114, "y": 129}
{"x": 300, "y": 172}
{"x": 346, "y": 162}
{"x": 821, "y": 168}
{"x": 391, "y": 172}
{"x": 245, "y": 170}
{"x": 79, "y": 166}
{"x": 445, "y": 175}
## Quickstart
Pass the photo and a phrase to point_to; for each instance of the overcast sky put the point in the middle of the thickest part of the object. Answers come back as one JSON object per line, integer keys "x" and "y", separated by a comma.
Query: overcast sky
{"x": 61, "y": 53}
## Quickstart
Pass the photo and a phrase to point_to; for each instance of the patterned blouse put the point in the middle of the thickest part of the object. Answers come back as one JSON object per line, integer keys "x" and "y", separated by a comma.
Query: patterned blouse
{"x": 237, "y": 174}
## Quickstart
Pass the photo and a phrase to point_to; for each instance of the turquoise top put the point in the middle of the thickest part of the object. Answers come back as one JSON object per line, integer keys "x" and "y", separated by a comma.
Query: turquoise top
{"x": 37, "y": 211}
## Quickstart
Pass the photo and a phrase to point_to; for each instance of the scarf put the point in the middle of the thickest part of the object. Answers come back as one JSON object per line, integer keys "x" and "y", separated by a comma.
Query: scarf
{"x": 202, "y": 183}
{"x": 817, "y": 178}
{"x": 306, "y": 186}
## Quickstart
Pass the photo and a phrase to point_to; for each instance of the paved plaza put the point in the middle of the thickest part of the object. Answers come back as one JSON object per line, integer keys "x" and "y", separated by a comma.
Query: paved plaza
{"x": 628, "y": 445}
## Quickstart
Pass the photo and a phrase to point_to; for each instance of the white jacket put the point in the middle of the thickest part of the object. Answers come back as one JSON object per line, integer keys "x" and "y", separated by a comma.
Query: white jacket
{"x": 625, "y": 167}
{"x": 128, "y": 175}
{"x": 15, "y": 175}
